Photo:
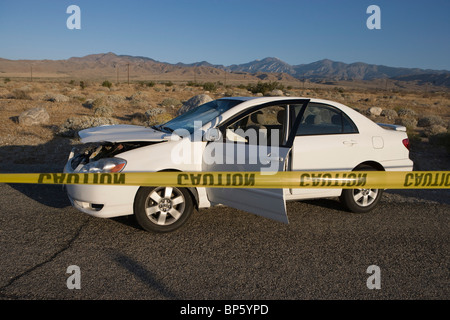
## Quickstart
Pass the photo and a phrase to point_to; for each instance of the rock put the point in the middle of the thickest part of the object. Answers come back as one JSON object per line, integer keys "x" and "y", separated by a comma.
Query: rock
{"x": 194, "y": 102}
{"x": 276, "y": 93}
{"x": 57, "y": 98}
{"x": 34, "y": 116}
{"x": 89, "y": 103}
{"x": 375, "y": 111}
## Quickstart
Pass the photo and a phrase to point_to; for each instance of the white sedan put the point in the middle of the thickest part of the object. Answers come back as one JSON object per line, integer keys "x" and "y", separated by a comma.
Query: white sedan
{"x": 235, "y": 134}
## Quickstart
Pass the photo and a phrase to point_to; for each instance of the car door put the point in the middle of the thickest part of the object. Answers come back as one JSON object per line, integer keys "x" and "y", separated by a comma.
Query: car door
{"x": 326, "y": 140}
{"x": 257, "y": 140}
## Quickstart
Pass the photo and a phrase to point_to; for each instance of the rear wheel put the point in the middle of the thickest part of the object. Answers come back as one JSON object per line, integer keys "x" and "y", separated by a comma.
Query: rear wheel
{"x": 162, "y": 209}
{"x": 361, "y": 200}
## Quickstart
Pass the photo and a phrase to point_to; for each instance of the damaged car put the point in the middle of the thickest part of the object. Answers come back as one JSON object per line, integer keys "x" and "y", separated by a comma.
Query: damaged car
{"x": 235, "y": 134}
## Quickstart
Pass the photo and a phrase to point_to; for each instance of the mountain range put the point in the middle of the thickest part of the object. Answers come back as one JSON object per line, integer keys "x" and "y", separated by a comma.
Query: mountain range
{"x": 332, "y": 70}
{"x": 109, "y": 63}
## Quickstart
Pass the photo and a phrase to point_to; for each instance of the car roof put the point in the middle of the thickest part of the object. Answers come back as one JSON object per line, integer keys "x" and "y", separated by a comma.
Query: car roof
{"x": 277, "y": 98}
{"x": 261, "y": 98}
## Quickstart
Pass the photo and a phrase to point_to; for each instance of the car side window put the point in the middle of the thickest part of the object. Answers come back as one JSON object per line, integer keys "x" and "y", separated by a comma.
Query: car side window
{"x": 319, "y": 119}
{"x": 266, "y": 125}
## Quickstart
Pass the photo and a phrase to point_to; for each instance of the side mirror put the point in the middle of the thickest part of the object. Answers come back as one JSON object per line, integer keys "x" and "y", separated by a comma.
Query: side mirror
{"x": 212, "y": 134}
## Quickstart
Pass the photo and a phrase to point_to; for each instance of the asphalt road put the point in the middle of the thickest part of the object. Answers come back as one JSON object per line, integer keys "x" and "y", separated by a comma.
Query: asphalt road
{"x": 223, "y": 253}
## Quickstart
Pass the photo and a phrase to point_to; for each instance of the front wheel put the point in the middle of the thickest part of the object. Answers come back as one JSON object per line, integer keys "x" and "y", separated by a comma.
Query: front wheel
{"x": 162, "y": 209}
{"x": 361, "y": 200}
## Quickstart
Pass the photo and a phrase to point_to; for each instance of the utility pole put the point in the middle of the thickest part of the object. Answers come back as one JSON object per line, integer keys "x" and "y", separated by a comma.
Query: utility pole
{"x": 128, "y": 65}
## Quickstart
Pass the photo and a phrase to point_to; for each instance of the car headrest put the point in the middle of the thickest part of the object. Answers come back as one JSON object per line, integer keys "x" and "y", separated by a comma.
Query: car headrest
{"x": 257, "y": 117}
{"x": 280, "y": 116}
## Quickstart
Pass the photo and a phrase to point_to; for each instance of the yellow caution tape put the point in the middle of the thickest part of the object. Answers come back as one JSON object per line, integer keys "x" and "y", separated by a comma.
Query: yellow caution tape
{"x": 287, "y": 179}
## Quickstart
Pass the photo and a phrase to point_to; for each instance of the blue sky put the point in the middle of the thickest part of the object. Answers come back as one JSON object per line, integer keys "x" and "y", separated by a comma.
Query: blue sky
{"x": 413, "y": 33}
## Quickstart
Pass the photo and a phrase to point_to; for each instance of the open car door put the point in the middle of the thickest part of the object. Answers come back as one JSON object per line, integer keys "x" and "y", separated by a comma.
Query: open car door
{"x": 269, "y": 203}
{"x": 274, "y": 124}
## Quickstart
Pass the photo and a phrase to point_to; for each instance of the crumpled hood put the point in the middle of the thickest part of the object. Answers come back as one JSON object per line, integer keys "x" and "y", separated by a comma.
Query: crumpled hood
{"x": 122, "y": 133}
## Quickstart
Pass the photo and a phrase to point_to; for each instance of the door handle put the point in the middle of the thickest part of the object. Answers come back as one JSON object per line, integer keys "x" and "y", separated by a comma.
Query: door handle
{"x": 349, "y": 142}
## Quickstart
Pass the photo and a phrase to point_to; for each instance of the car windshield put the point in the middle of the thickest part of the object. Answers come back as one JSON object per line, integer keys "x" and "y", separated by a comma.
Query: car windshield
{"x": 204, "y": 113}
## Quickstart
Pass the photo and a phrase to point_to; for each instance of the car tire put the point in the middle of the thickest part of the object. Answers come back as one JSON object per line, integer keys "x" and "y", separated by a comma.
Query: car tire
{"x": 162, "y": 209}
{"x": 361, "y": 200}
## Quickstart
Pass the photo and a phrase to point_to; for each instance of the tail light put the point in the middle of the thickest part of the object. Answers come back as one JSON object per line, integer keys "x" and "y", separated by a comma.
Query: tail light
{"x": 406, "y": 143}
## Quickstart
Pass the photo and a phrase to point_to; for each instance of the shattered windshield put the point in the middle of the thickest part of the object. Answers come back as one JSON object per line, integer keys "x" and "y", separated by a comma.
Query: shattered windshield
{"x": 204, "y": 113}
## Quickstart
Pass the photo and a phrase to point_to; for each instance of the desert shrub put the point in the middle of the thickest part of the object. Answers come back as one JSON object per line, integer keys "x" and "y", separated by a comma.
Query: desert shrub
{"x": 434, "y": 129}
{"x": 19, "y": 94}
{"x": 209, "y": 86}
{"x": 138, "y": 118}
{"x": 414, "y": 137}
{"x": 229, "y": 93}
{"x": 156, "y": 116}
{"x": 115, "y": 98}
{"x": 264, "y": 87}
{"x": 409, "y": 123}
{"x": 193, "y": 84}
{"x": 430, "y": 121}
{"x": 162, "y": 118}
{"x": 6, "y": 80}
{"x": 94, "y": 103}
{"x": 138, "y": 96}
{"x": 167, "y": 102}
{"x": 153, "y": 112}
{"x": 168, "y": 83}
{"x": 406, "y": 113}
{"x": 107, "y": 84}
{"x": 82, "y": 85}
{"x": 78, "y": 98}
{"x": 389, "y": 113}
{"x": 103, "y": 111}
